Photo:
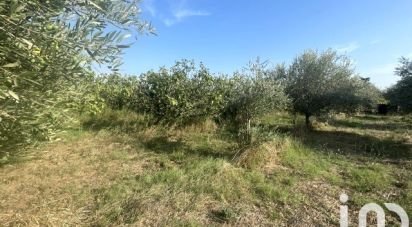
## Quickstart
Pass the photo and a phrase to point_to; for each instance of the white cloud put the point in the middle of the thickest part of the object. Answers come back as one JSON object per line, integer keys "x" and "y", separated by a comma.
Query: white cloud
{"x": 149, "y": 6}
{"x": 347, "y": 48}
{"x": 180, "y": 12}
{"x": 175, "y": 11}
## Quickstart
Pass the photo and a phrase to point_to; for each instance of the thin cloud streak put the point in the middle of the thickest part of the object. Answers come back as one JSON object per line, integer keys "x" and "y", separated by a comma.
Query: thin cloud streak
{"x": 348, "y": 48}
{"x": 181, "y": 14}
{"x": 176, "y": 11}
{"x": 149, "y": 6}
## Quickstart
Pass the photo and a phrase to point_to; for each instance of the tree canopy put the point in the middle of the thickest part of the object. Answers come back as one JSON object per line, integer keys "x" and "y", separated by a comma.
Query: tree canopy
{"x": 180, "y": 95}
{"x": 47, "y": 47}
{"x": 252, "y": 93}
{"x": 401, "y": 93}
{"x": 325, "y": 81}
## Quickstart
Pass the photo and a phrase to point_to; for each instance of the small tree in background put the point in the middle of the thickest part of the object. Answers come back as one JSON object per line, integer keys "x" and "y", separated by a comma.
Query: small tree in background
{"x": 404, "y": 69}
{"x": 252, "y": 93}
{"x": 318, "y": 81}
{"x": 401, "y": 93}
{"x": 355, "y": 95}
{"x": 364, "y": 95}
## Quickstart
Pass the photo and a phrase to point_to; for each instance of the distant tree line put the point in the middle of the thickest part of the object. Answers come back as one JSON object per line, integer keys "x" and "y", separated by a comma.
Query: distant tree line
{"x": 315, "y": 83}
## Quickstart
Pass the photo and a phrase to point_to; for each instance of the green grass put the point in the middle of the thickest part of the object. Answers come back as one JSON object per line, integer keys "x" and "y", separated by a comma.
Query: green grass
{"x": 209, "y": 179}
{"x": 305, "y": 161}
{"x": 116, "y": 170}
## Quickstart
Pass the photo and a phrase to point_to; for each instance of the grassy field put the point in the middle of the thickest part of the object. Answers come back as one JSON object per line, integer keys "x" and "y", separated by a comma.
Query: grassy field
{"x": 116, "y": 170}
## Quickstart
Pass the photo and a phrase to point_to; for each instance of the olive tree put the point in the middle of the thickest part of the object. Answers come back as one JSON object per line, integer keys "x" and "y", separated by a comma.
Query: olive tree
{"x": 46, "y": 47}
{"x": 401, "y": 93}
{"x": 404, "y": 69}
{"x": 319, "y": 81}
{"x": 252, "y": 92}
{"x": 361, "y": 95}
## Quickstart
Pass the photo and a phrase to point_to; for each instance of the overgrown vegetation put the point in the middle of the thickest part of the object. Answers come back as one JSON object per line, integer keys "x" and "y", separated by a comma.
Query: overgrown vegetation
{"x": 109, "y": 174}
{"x": 197, "y": 147}
{"x": 180, "y": 95}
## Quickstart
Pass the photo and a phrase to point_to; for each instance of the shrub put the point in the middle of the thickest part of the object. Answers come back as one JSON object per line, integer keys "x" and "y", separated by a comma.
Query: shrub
{"x": 251, "y": 94}
{"x": 118, "y": 91}
{"x": 180, "y": 95}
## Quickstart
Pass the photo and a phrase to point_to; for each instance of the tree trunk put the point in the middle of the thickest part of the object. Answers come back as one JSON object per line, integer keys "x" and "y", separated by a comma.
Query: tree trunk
{"x": 307, "y": 120}
{"x": 248, "y": 132}
{"x": 294, "y": 116}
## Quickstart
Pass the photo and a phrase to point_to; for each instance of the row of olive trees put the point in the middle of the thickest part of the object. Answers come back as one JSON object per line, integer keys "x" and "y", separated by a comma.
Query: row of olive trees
{"x": 187, "y": 94}
{"x": 46, "y": 51}
{"x": 314, "y": 83}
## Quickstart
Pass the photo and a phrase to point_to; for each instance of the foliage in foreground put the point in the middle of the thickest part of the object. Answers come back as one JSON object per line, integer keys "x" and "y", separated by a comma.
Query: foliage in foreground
{"x": 46, "y": 50}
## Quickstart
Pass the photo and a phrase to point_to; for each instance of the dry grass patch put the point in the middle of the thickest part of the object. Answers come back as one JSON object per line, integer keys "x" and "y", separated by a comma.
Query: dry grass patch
{"x": 53, "y": 188}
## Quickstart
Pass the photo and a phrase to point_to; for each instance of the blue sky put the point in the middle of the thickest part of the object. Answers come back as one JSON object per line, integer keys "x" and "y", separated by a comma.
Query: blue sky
{"x": 226, "y": 35}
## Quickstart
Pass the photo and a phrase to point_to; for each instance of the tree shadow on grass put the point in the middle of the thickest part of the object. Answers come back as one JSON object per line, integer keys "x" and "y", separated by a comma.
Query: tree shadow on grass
{"x": 164, "y": 145}
{"x": 353, "y": 144}
{"x": 114, "y": 123}
{"x": 372, "y": 117}
{"x": 347, "y": 143}
{"x": 280, "y": 128}
{"x": 371, "y": 125}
